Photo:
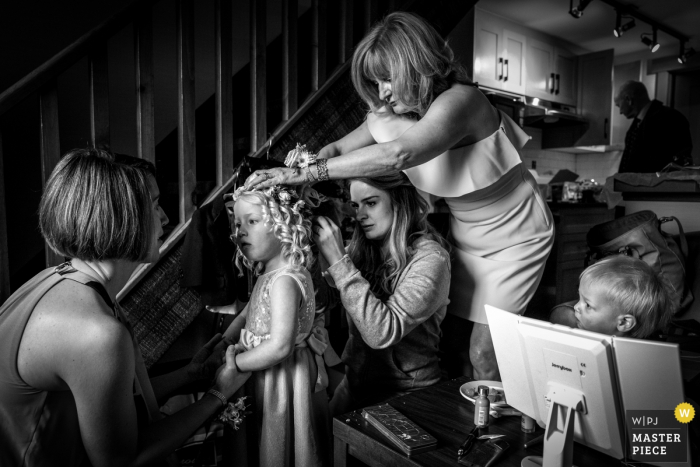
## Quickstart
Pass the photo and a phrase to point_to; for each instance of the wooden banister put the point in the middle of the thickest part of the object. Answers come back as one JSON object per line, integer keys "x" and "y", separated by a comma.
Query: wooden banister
{"x": 187, "y": 167}
{"x": 346, "y": 25}
{"x": 145, "y": 107}
{"x": 289, "y": 58}
{"x": 50, "y": 146}
{"x": 224, "y": 92}
{"x": 68, "y": 56}
{"x": 4, "y": 256}
{"x": 180, "y": 230}
{"x": 99, "y": 97}
{"x": 258, "y": 73}
{"x": 318, "y": 44}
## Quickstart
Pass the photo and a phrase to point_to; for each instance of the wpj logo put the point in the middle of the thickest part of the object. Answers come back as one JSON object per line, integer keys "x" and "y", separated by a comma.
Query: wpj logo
{"x": 655, "y": 436}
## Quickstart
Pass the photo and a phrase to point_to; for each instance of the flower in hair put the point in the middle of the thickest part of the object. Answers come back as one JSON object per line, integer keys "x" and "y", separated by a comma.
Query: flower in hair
{"x": 299, "y": 157}
{"x": 234, "y": 413}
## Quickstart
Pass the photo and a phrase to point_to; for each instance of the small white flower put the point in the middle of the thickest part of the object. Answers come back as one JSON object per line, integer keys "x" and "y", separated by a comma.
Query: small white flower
{"x": 299, "y": 157}
{"x": 284, "y": 196}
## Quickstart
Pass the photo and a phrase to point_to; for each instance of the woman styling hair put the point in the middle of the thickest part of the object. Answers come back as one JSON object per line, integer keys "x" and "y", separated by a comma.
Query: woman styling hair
{"x": 393, "y": 283}
{"x": 429, "y": 121}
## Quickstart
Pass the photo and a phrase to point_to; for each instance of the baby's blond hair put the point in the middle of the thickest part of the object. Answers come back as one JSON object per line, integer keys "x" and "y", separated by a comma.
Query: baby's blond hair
{"x": 634, "y": 288}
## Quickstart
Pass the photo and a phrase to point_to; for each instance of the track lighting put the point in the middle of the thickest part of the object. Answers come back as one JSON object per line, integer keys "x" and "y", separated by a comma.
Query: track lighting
{"x": 577, "y": 11}
{"x": 685, "y": 54}
{"x": 621, "y": 28}
{"x": 653, "y": 44}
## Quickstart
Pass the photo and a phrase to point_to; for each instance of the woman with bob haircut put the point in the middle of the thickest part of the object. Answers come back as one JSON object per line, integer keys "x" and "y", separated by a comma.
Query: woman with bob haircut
{"x": 427, "y": 119}
{"x": 393, "y": 283}
{"x": 73, "y": 386}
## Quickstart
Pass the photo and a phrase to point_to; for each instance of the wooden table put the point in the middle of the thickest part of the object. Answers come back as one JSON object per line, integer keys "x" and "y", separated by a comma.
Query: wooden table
{"x": 445, "y": 414}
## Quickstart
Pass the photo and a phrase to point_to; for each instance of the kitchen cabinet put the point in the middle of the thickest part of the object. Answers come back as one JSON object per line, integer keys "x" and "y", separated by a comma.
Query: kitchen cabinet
{"x": 551, "y": 73}
{"x": 595, "y": 96}
{"x": 499, "y": 55}
{"x": 566, "y": 261}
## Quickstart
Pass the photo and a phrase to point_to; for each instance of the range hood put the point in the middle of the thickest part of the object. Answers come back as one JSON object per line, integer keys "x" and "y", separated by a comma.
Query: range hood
{"x": 534, "y": 112}
{"x": 561, "y": 126}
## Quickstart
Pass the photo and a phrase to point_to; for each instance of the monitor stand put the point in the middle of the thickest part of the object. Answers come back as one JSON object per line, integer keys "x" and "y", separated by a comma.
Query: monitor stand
{"x": 559, "y": 433}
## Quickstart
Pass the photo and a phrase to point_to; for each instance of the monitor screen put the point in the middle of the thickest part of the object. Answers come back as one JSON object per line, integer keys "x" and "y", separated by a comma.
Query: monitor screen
{"x": 543, "y": 364}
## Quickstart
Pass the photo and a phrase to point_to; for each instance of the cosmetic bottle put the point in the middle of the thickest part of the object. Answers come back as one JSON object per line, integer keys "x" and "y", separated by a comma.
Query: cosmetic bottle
{"x": 482, "y": 405}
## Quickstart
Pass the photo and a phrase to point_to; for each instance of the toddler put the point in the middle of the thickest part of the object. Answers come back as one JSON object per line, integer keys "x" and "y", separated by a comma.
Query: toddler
{"x": 273, "y": 235}
{"x": 619, "y": 296}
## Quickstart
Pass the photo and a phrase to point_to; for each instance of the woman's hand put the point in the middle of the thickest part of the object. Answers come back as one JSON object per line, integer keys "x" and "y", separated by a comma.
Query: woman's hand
{"x": 275, "y": 176}
{"x": 205, "y": 363}
{"x": 228, "y": 378}
{"x": 329, "y": 240}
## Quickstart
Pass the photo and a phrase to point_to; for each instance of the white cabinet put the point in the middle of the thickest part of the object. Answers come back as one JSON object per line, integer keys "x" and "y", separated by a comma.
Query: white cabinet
{"x": 566, "y": 77}
{"x": 551, "y": 73}
{"x": 498, "y": 55}
{"x": 595, "y": 96}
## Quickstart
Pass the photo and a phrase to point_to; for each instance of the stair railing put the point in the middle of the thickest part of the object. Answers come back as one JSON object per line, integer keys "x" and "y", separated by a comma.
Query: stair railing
{"x": 43, "y": 82}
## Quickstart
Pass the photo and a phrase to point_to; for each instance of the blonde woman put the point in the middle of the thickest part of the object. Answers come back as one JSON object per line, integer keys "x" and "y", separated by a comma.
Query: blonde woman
{"x": 430, "y": 121}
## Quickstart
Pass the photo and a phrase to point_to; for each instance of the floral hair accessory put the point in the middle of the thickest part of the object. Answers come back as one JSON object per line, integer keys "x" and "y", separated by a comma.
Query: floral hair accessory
{"x": 234, "y": 413}
{"x": 300, "y": 157}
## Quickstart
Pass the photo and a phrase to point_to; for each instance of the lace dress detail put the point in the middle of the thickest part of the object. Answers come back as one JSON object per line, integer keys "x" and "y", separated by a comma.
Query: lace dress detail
{"x": 257, "y": 328}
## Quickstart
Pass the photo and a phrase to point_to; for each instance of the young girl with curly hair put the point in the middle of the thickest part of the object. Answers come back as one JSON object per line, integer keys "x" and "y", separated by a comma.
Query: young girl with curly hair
{"x": 273, "y": 239}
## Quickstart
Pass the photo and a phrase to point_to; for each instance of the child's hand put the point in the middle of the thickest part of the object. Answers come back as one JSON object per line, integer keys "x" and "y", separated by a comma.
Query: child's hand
{"x": 232, "y": 309}
{"x": 228, "y": 378}
{"x": 329, "y": 240}
{"x": 210, "y": 357}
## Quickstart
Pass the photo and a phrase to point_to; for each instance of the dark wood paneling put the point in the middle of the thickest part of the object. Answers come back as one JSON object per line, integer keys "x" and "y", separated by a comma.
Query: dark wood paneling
{"x": 99, "y": 97}
{"x": 224, "y": 98}
{"x": 258, "y": 78}
{"x": 145, "y": 108}
{"x": 50, "y": 145}
{"x": 289, "y": 58}
{"x": 4, "y": 257}
{"x": 318, "y": 44}
{"x": 187, "y": 167}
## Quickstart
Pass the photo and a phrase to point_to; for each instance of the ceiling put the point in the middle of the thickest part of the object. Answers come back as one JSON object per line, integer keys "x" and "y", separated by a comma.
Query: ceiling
{"x": 593, "y": 31}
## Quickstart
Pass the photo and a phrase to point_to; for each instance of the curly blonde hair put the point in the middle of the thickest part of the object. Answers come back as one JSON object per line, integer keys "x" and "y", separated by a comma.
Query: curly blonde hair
{"x": 288, "y": 223}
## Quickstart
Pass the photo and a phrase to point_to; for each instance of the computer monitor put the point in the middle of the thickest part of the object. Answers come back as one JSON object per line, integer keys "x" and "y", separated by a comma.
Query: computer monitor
{"x": 571, "y": 370}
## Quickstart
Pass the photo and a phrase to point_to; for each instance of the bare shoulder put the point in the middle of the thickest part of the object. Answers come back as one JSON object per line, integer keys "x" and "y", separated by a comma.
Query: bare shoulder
{"x": 287, "y": 286}
{"x": 469, "y": 106}
{"x": 71, "y": 331}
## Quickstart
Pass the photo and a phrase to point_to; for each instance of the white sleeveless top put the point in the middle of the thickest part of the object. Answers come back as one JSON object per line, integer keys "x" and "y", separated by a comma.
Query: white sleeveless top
{"x": 457, "y": 172}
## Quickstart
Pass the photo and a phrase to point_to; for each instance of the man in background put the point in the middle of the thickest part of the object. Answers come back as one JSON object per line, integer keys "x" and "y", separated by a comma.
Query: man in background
{"x": 658, "y": 134}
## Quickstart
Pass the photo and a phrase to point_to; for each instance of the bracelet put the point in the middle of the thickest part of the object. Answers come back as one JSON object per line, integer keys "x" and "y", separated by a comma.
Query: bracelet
{"x": 309, "y": 175}
{"x": 236, "y": 364}
{"x": 322, "y": 167}
{"x": 219, "y": 396}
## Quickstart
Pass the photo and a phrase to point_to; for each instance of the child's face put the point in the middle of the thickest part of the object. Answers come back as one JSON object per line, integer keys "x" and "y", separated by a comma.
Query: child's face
{"x": 594, "y": 312}
{"x": 255, "y": 239}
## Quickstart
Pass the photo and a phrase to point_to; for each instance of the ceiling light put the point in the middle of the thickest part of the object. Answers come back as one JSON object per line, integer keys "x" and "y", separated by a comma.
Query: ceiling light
{"x": 577, "y": 11}
{"x": 653, "y": 44}
{"x": 685, "y": 54}
{"x": 621, "y": 28}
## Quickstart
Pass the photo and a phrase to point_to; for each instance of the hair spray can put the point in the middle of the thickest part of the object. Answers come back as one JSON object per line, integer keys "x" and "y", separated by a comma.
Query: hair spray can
{"x": 482, "y": 406}
{"x": 527, "y": 424}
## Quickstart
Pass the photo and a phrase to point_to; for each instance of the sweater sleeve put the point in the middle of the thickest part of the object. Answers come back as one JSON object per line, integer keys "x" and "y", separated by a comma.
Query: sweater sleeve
{"x": 422, "y": 289}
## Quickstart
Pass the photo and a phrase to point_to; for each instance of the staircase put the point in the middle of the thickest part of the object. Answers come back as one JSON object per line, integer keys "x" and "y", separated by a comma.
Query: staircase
{"x": 141, "y": 83}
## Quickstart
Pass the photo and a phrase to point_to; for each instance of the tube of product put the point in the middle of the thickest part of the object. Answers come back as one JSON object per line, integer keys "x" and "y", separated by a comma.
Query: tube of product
{"x": 481, "y": 407}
